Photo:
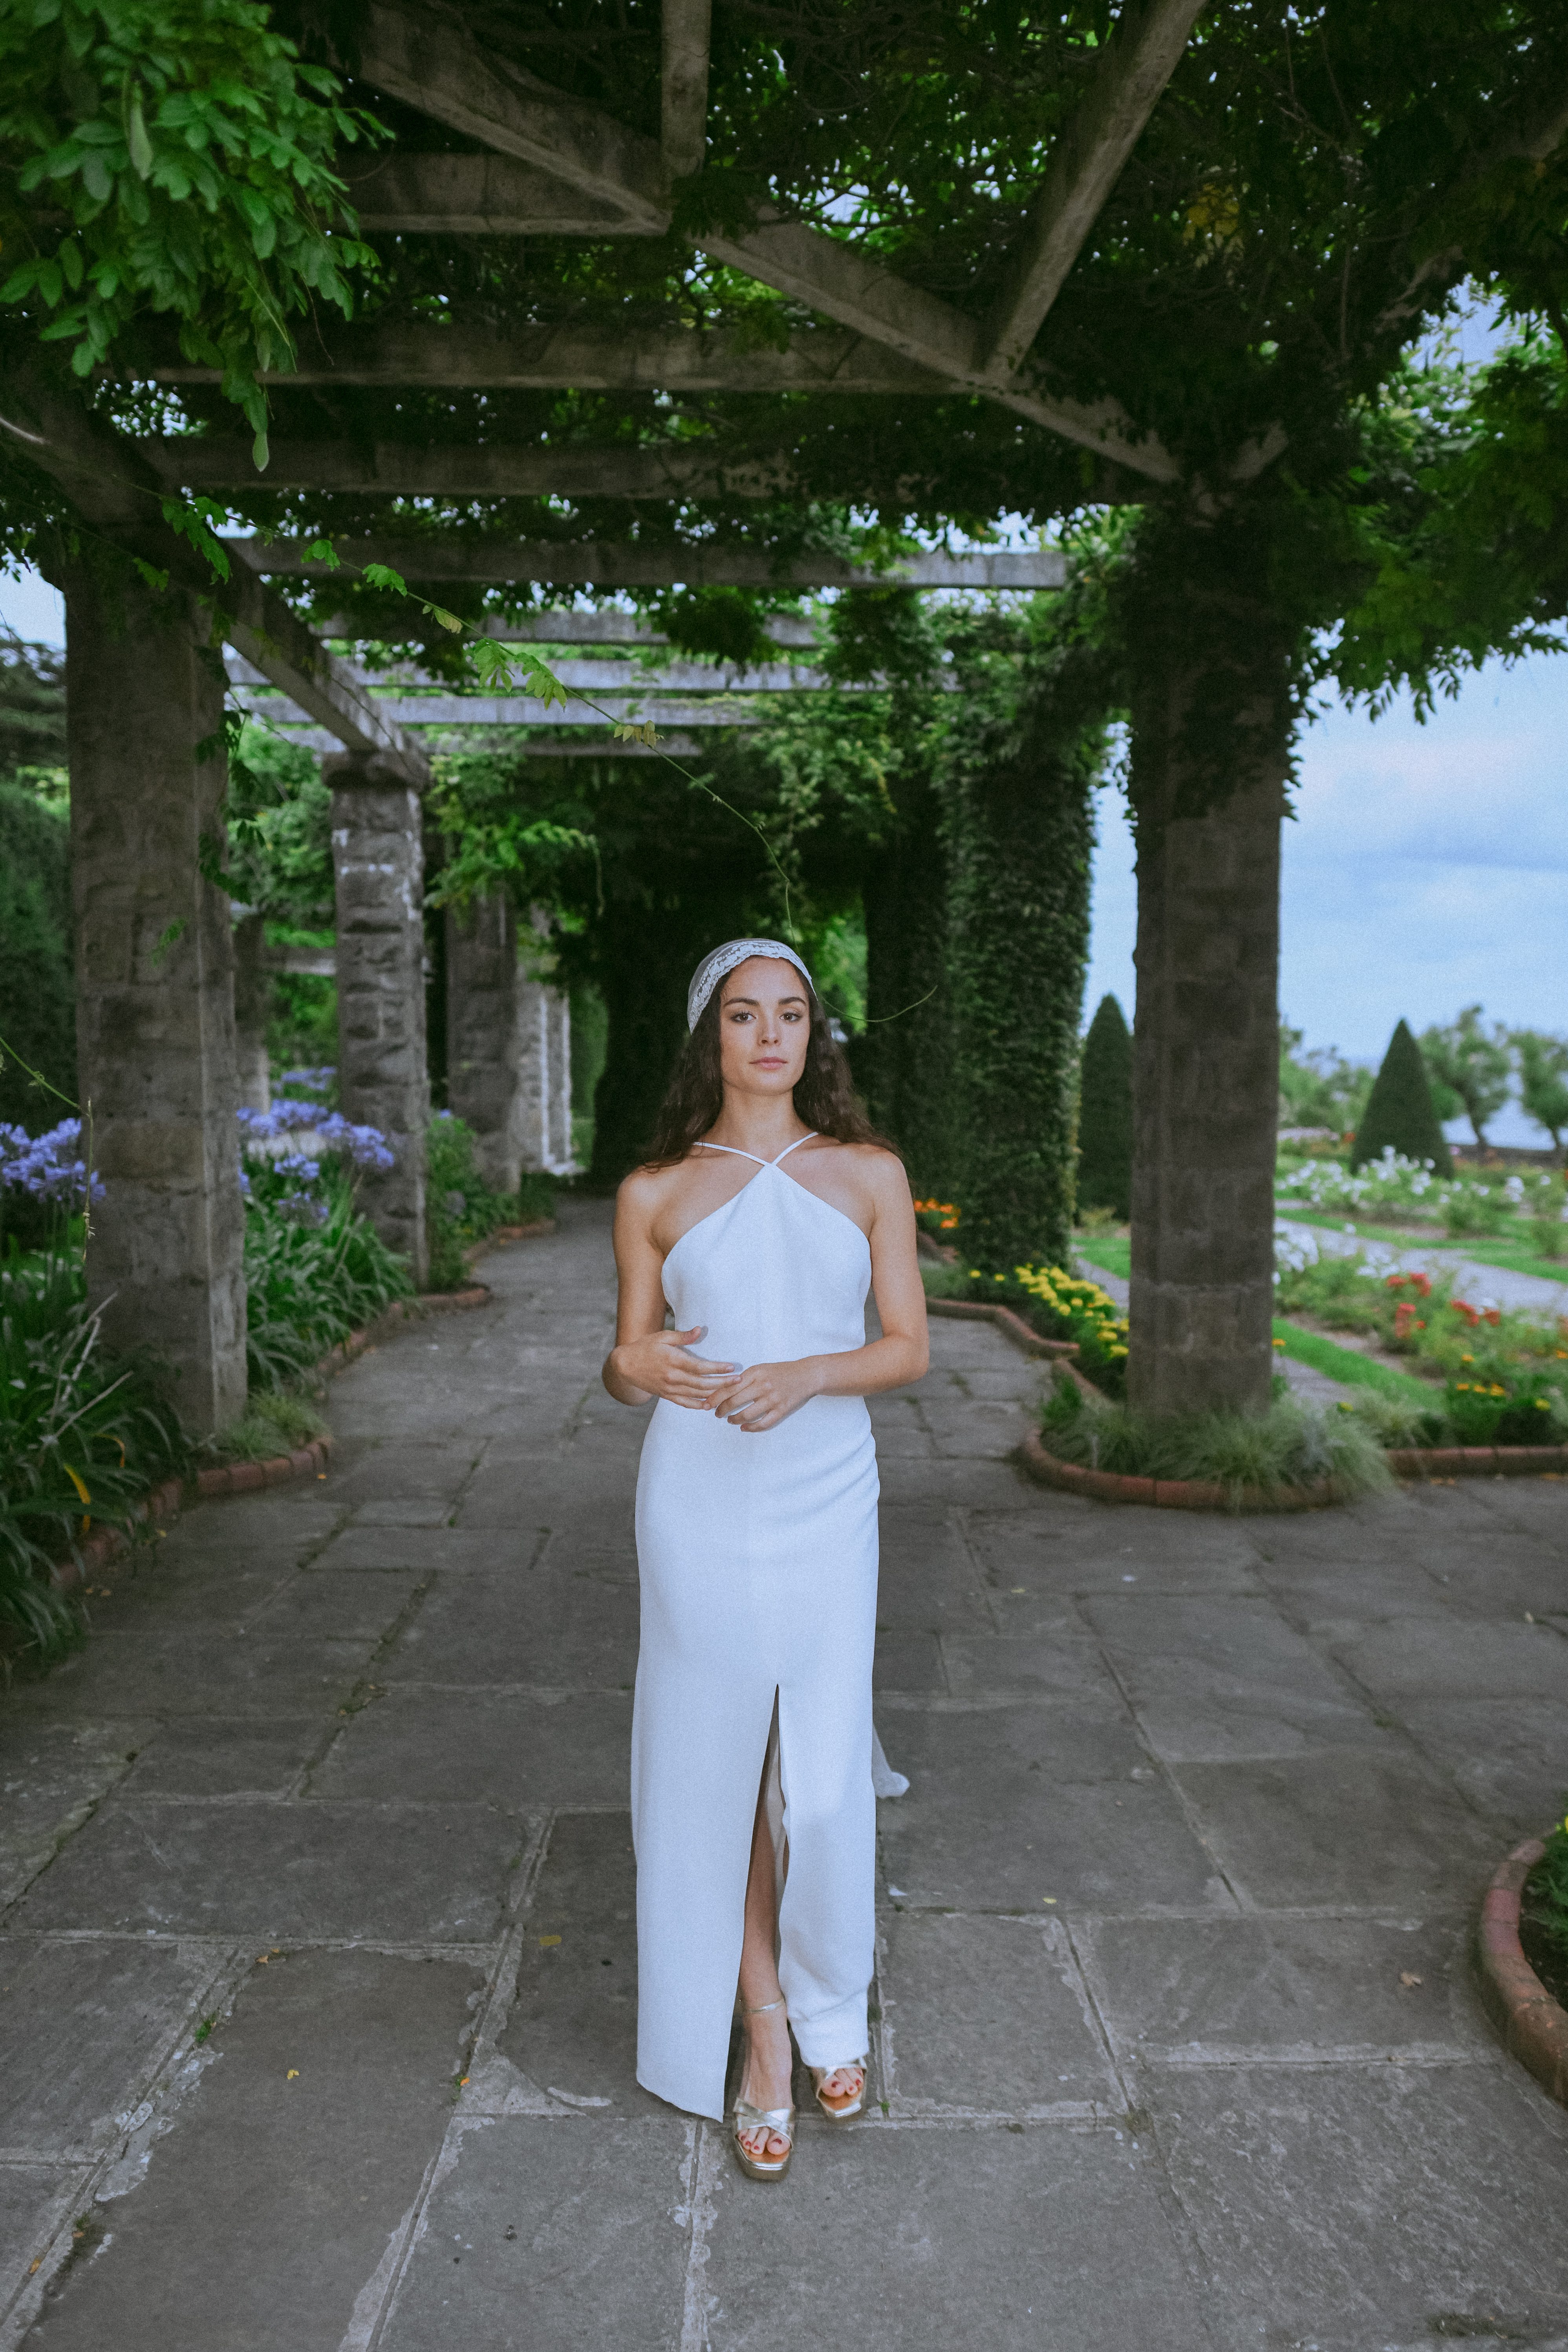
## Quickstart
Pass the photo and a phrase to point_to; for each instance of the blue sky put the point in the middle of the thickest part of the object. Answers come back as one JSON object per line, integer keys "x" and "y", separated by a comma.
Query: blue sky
{"x": 1426, "y": 870}
{"x": 1426, "y": 867}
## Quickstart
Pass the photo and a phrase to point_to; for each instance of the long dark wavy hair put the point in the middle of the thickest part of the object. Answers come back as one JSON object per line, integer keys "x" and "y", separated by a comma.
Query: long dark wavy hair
{"x": 825, "y": 1094}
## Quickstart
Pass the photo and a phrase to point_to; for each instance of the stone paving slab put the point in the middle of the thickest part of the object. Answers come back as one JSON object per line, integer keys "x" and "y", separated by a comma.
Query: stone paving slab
{"x": 988, "y": 2239}
{"x": 560, "y": 2232}
{"x": 426, "y": 1874}
{"x": 1369, "y": 2206}
{"x": 1197, "y": 1992}
{"x": 1348, "y": 1827}
{"x": 1211, "y": 1681}
{"x": 986, "y": 2014}
{"x": 127, "y": 2002}
{"x": 479, "y": 1746}
{"x": 309, "y": 2132}
{"x": 1062, "y": 1814}
{"x": 372, "y": 1728}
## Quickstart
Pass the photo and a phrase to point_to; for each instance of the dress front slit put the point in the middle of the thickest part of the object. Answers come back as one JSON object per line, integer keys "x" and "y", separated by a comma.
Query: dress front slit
{"x": 757, "y": 1556}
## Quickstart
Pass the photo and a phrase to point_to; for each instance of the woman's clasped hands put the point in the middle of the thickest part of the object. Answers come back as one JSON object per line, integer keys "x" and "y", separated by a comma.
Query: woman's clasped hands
{"x": 753, "y": 1397}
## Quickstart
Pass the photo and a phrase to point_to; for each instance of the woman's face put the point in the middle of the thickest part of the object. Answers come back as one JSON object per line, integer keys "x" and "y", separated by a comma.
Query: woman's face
{"x": 764, "y": 1023}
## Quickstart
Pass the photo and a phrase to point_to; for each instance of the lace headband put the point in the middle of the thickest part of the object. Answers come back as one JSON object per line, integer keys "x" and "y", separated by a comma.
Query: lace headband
{"x": 725, "y": 960}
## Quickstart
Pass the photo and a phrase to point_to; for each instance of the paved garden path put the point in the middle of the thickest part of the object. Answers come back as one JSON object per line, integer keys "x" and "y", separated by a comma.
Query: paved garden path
{"x": 317, "y": 2011}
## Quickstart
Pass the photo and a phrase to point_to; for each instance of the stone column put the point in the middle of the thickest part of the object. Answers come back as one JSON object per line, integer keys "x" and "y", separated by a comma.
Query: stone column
{"x": 383, "y": 1080}
{"x": 558, "y": 1125}
{"x": 252, "y": 989}
{"x": 482, "y": 1032}
{"x": 531, "y": 1117}
{"x": 155, "y": 963}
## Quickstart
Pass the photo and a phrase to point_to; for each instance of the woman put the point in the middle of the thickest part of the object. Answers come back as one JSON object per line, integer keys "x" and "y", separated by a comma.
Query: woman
{"x": 767, "y": 1209}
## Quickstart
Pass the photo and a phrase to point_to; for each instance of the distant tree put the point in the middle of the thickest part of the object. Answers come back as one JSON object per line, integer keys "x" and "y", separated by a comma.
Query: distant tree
{"x": 1319, "y": 1088}
{"x": 1469, "y": 1061}
{"x": 1105, "y": 1113}
{"x": 1544, "y": 1080}
{"x": 1400, "y": 1110}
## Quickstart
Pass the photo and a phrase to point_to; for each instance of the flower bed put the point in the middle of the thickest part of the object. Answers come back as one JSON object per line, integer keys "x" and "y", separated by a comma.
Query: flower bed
{"x": 1531, "y": 1207}
{"x": 1498, "y": 1376}
{"x": 1055, "y": 1304}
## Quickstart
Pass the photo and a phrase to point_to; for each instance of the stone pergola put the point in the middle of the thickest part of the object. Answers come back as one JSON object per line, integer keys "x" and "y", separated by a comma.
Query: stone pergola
{"x": 156, "y": 956}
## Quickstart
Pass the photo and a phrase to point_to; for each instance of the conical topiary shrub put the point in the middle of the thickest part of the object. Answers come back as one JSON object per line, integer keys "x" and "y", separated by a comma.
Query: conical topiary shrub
{"x": 1399, "y": 1110}
{"x": 1105, "y": 1113}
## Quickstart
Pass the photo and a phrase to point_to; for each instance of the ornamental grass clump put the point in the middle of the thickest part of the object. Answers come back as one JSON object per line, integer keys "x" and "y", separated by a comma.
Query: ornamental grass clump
{"x": 83, "y": 1435}
{"x": 1272, "y": 1456}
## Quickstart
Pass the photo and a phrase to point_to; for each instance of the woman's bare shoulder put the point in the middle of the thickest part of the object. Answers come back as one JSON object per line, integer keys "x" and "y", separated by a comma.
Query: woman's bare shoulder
{"x": 642, "y": 1194}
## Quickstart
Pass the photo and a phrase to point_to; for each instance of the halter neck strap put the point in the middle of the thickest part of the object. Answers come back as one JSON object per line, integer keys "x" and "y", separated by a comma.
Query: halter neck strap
{"x": 735, "y": 1153}
{"x": 792, "y": 1147}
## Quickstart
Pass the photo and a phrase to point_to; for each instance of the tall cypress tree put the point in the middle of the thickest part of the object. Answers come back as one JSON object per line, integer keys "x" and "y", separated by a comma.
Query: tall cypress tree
{"x": 1400, "y": 1110}
{"x": 1105, "y": 1113}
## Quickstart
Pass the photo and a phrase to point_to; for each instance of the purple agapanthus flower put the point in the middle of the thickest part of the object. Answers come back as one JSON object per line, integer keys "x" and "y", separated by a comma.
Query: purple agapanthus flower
{"x": 48, "y": 1167}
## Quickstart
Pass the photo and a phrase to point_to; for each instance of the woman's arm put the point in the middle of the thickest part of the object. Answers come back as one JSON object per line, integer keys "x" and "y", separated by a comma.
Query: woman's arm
{"x": 764, "y": 1394}
{"x": 647, "y": 1360}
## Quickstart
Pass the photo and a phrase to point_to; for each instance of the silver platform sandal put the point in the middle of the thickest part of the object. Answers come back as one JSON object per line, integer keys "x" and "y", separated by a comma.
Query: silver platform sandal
{"x": 777, "y": 2121}
{"x": 844, "y": 2109}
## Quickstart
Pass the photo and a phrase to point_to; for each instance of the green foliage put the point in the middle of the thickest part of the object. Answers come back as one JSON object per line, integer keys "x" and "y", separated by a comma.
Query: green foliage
{"x": 280, "y": 829}
{"x": 273, "y": 1423}
{"x": 308, "y": 1287}
{"x": 1019, "y": 835}
{"x": 1319, "y": 1088}
{"x": 1400, "y": 1114}
{"x": 1286, "y": 1448}
{"x": 1470, "y": 1066}
{"x": 37, "y": 978}
{"x": 1546, "y": 1898}
{"x": 1544, "y": 1080}
{"x": 462, "y": 1208}
{"x": 190, "y": 151}
{"x": 83, "y": 1436}
{"x": 903, "y": 1058}
{"x": 1105, "y": 1113}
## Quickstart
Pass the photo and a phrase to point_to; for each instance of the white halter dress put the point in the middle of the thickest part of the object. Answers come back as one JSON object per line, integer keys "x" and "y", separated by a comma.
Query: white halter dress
{"x": 758, "y": 1562}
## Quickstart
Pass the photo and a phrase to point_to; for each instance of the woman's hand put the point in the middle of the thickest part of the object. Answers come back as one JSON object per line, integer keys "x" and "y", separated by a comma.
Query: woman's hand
{"x": 662, "y": 1365}
{"x": 764, "y": 1394}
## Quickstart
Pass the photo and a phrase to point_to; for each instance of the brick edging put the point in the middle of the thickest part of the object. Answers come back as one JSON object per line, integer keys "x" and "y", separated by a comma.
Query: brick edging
{"x": 1533, "y": 2026}
{"x": 1164, "y": 1494}
{"x": 166, "y": 1502}
{"x": 1010, "y": 1324}
{"x": 1477, "y": 1461}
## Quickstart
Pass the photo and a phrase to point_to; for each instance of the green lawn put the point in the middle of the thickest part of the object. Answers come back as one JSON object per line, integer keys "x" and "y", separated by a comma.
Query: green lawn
{"x": 1348, "y": 1364}
{"x": 1112, "y": 1252}
{"x": 1512, "y": 1257}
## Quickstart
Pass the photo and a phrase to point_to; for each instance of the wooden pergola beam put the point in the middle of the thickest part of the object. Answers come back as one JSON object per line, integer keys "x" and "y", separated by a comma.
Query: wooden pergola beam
{"x": 1141, "y": 55}
{"x": 437, "y": 65}
{"x": 462, "y": 357}
{"x": 685, "y": 28}
{"x": 473, "y": 195}
{"x": 614, "y": 564}
{"x": 118, "y": 491}
{"x": 440, "y": 68}
{"x": 399, "y": 469}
